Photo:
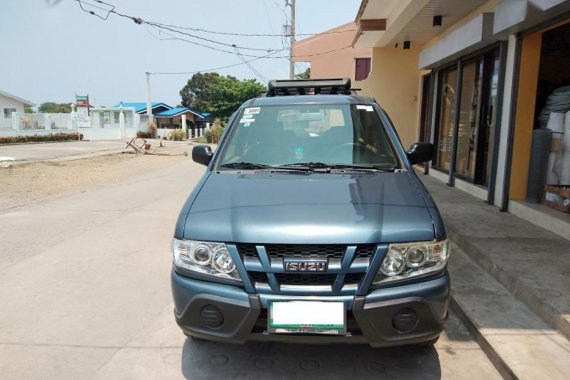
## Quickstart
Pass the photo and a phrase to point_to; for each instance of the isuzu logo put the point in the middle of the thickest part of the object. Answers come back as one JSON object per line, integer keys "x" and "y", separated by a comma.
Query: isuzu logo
{"x": 305, "y": 265}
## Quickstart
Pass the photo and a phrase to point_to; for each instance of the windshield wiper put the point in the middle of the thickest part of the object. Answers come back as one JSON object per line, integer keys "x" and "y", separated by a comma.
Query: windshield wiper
{"x": 244, "y": 165}
{"x": 256, "y": 166}
{"x": 333, "y": 166}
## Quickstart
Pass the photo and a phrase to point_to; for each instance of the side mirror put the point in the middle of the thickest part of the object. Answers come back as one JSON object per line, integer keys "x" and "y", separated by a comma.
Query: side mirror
{"x": 202, "y": 154}
{"x": 420, "y": 152}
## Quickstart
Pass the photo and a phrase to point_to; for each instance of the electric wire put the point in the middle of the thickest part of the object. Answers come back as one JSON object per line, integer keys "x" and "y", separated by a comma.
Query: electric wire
{"x": 140, "y": 21}
{"x": 253, "y": 70}
{"x": 203, "y": 30}
{"x": 174, "y": 38}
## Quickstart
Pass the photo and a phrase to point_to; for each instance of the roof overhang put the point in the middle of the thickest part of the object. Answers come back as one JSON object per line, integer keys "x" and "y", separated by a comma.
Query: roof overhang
{"x": 17, "y": 98}
{"x": 472, "y": 36}
{"x": 515, "y": 16}
{"x": 381, "y": 21}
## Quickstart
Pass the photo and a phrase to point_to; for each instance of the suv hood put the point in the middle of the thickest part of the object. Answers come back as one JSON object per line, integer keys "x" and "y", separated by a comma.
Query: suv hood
{"x": 292, "y": 208}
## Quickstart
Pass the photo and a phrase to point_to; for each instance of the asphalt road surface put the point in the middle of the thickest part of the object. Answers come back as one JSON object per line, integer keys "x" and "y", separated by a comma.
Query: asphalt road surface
{"x": 85, "y": 294}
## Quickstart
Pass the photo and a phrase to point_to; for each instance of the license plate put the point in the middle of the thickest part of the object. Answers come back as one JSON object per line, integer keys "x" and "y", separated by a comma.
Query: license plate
{"x": 307, "y": 317}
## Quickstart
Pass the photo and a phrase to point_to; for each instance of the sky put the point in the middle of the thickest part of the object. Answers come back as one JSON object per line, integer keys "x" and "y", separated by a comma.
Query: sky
{"x": 52, "y": 50}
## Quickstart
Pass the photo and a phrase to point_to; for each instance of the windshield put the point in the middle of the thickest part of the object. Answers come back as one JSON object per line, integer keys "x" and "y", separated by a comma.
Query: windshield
{"x": 322, "y": 133}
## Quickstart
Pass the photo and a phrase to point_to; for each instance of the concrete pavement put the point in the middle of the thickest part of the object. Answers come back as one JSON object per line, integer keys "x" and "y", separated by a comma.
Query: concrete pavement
{"x": 85, "y": 293}
{"x": 510, "y": 284}
{"x": 55, "y": 150}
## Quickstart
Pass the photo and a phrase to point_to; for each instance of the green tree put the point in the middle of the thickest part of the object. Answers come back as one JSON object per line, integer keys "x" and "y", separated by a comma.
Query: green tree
{"x": 219, "y": 95}
{"x": 304, "y": 75}
{"x": 51, "y": 107}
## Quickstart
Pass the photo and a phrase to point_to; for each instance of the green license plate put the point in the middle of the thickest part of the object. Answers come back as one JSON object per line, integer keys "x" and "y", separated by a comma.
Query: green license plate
{"x": 307, "y": 317}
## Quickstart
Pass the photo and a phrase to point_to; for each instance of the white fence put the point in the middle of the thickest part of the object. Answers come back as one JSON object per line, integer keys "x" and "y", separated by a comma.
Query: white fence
{"x": 44, "y": 124}
{"x": 102, "y": 125}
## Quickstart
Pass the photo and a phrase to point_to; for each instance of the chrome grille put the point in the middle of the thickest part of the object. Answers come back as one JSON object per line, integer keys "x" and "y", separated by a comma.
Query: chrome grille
{"x": 311, "y": 251}
{"x": 260, "y": 277}
{"x": 271, "y": 278}
{"x": 305, "y": 279}
{"x": 305, "y": 251}
{"x": 316, "y": 279}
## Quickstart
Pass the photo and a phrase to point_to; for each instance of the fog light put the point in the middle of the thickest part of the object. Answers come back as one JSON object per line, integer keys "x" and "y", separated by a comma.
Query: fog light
{"x": 212, "y": 316}
{"x": 405, "y": 320}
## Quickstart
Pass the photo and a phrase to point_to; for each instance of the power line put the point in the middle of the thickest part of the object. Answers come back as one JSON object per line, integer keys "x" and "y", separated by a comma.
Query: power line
{"x": 172, "y": 37}
{"x": 257, "y": 74}
{"x": 282, "y": 10}
{"x": 140, "y": 21}
{"x": 158, "y": 25}
{"x": 234, "y": 34}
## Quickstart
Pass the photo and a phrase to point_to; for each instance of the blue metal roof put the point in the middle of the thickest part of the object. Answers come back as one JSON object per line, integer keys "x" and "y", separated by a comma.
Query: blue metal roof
{"x": 141, "y": 106}
{"x": 178, "y": 111}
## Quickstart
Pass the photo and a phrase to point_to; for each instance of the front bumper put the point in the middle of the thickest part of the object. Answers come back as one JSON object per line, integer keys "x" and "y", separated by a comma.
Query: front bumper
{"x": 239, "y": 317}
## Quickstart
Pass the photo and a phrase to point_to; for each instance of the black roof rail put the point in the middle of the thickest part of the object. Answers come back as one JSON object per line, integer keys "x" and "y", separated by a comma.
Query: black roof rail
{"x": 337, "y": 86}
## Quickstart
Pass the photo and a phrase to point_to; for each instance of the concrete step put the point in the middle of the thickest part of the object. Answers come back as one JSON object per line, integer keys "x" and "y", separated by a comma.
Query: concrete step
{"x": 529, "y": 288}
{"x": 533, "y": 263}
{"x": 519, "y": 343}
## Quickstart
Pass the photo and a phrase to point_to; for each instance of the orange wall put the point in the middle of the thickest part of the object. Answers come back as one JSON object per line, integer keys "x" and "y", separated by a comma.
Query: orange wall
{"x": 524, "y": 118}
{"x": 394, "y": 82}
{"x": 336, "y": 64}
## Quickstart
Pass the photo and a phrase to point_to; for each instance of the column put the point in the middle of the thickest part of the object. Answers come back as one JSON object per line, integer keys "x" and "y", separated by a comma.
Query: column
{"x": 47, "y": 122}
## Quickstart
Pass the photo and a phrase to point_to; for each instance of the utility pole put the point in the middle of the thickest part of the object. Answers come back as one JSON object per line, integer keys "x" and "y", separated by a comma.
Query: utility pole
{"x": 291, "y": 3}
{"x": 148, "y": 98}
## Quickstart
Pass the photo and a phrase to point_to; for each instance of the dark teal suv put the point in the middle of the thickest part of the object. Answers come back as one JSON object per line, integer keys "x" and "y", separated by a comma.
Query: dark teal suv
{"x": 310, "y": 225}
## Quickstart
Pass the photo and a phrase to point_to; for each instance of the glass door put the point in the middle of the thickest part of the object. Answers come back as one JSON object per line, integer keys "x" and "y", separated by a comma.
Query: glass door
{"x": 469, "y": 119}
{"x": 488, "y": 120}
{"x": 477, "y": 118}
{"x": 447, "y": 114}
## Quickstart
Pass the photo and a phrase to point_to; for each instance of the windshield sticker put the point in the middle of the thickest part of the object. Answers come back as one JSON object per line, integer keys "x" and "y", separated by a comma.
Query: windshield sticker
{"x": 363, "y": 107}
{"x": 252, "y": 111}
{"x": 246, "y": 121}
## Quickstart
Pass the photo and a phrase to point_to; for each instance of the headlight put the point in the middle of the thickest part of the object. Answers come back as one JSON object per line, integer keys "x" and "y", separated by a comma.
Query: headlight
{"x": 205, "y": 258}
{"x": 407, "y": 260}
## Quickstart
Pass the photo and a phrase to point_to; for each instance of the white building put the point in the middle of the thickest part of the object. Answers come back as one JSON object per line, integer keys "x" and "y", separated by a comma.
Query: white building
{"x": 10, "y": 104}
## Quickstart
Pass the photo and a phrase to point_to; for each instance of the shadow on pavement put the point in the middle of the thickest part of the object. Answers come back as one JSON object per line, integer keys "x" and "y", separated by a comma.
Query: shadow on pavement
{"x": 211, "y": 360}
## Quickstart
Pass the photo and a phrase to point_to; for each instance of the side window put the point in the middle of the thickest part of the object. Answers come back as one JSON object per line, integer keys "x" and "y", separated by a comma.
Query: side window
{"x": 362, "y": 68}
{"x": 9, "y": 111}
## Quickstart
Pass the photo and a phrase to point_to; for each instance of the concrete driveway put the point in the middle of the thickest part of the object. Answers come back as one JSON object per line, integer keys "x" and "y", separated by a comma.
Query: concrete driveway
{"x": 85, "y": 293}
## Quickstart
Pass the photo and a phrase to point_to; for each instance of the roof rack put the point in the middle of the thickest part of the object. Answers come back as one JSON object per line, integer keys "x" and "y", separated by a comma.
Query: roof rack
{"x": 337, "y": 86}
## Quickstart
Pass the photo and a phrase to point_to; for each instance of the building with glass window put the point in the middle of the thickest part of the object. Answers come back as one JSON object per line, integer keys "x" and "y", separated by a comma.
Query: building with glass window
{"x": 330, "y": 54}
{"x": 488, "y": 82}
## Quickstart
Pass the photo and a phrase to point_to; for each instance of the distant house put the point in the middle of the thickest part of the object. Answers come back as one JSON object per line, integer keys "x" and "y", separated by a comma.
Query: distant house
{"x": 172, "y": 118}
{"x": 166, "y": 117}
{"x": 10, "y": 104}
{"x": 140, "y": 107}
{"x": 331, "y": 54}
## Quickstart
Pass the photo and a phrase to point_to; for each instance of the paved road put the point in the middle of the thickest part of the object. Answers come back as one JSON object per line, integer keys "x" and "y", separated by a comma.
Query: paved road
{"x": 49, "y": 151}
{"x": 85, "y": 294}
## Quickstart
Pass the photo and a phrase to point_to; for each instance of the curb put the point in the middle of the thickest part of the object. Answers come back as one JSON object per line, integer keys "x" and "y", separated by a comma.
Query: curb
{"x": 512, "y": 284}
{"x": 503, "y": 368}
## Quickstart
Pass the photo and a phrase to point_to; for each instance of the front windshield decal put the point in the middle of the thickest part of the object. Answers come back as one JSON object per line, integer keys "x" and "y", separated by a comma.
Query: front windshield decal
{"x": 365, "y": 107}
{"x": 247, "y": 120}
{"x": 252, "y": 111}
